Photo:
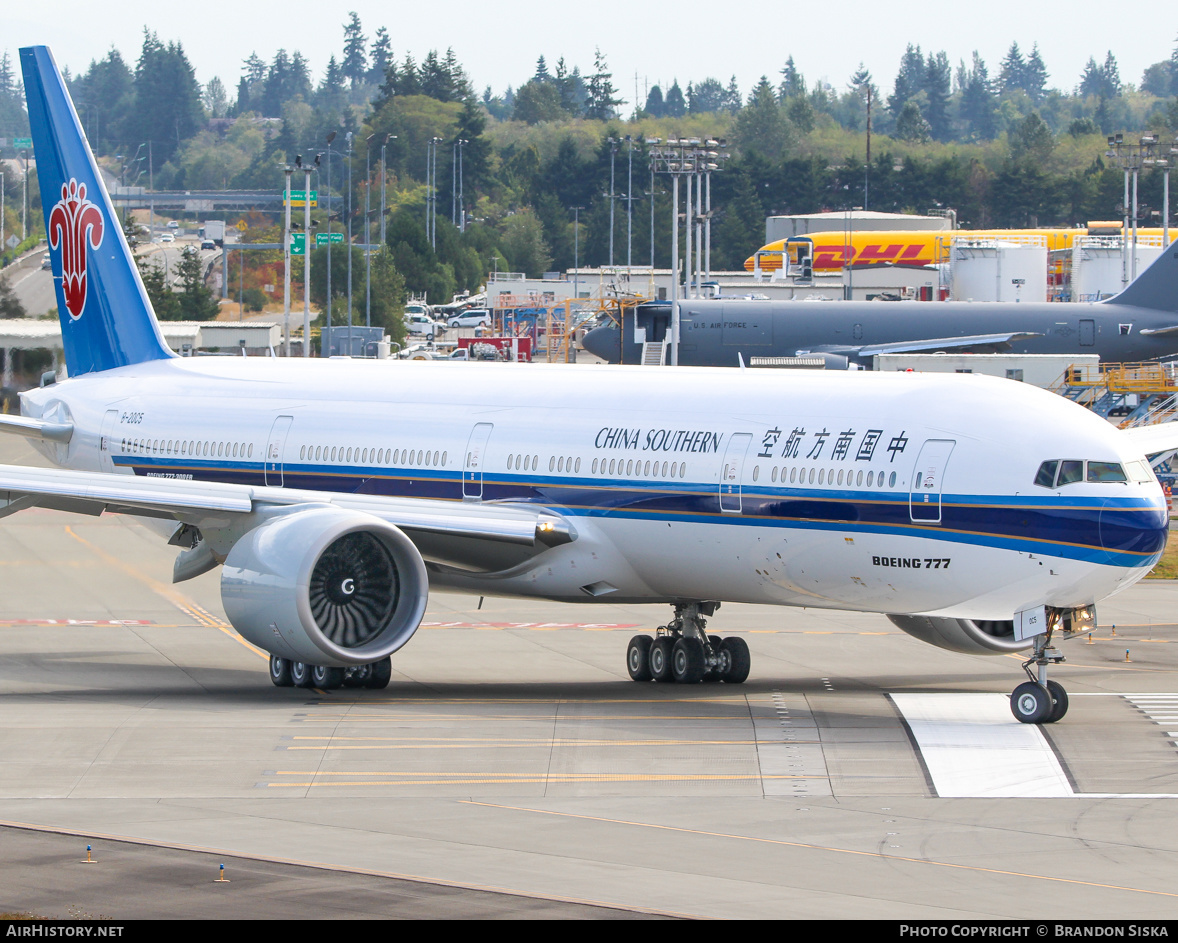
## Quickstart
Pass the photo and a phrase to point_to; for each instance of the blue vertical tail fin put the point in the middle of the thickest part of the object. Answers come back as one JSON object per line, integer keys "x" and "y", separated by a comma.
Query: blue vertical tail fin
{"x": 106, "y": 318}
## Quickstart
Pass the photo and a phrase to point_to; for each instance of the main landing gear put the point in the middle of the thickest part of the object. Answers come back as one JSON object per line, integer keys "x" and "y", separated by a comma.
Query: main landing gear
{"x": 285, "y": 673}
{"x": 1037, "y": 700}
{"x": 684, "y": 652}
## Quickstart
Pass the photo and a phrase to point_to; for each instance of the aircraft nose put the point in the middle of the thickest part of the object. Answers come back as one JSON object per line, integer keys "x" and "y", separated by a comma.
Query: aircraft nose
{"x": 603, "y": 342}
{"x": 1140, "y": 531}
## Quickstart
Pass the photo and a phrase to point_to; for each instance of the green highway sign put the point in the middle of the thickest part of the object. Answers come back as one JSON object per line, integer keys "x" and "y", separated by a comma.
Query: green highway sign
{"x": 299, "y": 197}
{"x": 298, "y": 243}
{"x": 323, "y": 238}
{"x": 22, "y": 142}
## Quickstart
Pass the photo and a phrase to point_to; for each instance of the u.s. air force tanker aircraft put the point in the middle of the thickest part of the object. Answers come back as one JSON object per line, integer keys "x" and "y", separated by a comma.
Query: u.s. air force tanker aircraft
{"x": 980, "y": 515}
{"x": 1140, "y": 323}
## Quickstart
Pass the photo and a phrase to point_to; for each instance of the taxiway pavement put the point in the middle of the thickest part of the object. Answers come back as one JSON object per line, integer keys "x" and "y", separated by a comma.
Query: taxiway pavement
{"x": 512, "y": 756}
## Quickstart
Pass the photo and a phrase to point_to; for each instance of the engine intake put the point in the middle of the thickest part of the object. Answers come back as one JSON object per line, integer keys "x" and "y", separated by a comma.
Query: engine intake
{"x": 326, "y": 587}
{"x": 967, "y": 636}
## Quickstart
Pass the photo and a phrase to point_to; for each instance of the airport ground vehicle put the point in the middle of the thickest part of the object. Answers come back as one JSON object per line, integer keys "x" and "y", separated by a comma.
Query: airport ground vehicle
{"x": 423, "y": 325}
{"x": 475, "y": 317}
{"x": 979, "y": 515}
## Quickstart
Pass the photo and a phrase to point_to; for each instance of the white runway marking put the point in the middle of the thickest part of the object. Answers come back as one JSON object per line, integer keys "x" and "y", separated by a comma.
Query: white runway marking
{"x": 973, "y": 747}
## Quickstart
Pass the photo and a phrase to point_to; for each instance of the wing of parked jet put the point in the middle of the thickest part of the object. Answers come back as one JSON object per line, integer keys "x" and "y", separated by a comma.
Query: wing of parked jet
{"x": 971, "y": 342}
{"x": 1155, "y": 439}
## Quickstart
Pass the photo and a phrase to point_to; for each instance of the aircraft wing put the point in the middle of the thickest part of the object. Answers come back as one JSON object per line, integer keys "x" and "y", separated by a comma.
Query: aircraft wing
{"x": 211, "y": 504}
{"x": 971, "y": 341}
{"x": 1155, "y": 439}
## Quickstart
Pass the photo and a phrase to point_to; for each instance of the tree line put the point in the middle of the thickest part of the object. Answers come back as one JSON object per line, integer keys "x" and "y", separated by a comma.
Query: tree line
{"x": 1002, "y": 146}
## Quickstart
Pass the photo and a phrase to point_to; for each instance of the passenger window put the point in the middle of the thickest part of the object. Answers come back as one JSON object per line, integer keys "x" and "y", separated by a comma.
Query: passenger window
{"x": 1070, "y": 472}
{"x": 1045, "y": 477}
{"x": 1105, "y": 471}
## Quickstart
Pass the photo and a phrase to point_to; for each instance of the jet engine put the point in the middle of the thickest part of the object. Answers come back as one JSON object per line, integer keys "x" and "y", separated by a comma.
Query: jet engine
{"x": 325, "y": 586}
{"x": 967, "y": 636}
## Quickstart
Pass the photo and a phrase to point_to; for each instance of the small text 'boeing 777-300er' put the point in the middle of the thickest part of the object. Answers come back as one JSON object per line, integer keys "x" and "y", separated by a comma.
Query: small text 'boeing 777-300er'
{"x": 980, "y": 515}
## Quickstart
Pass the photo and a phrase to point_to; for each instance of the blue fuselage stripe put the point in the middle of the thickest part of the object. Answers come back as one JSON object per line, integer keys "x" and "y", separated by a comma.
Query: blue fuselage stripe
{"x": 1118, "y": 531}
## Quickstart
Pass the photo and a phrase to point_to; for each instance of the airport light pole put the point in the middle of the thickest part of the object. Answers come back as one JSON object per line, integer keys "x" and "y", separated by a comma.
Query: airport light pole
{"x": 367, "y": 232}
{"x": 287, "y": 171}
{"x": 1131, "y": 158}
{"x": 577, "y": 251}
{"x": 383, "y": 178}
{"x": 330, "y": 138}
{"x": 349, "y": 137}
{"x": 613, "y": 150}
{"x": 462, "y": 142}
{"x": 629, "y": 201}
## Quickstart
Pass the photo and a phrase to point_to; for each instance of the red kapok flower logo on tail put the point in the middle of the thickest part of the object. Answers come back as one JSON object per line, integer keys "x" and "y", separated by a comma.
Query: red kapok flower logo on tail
{"x": 74, "y": 222}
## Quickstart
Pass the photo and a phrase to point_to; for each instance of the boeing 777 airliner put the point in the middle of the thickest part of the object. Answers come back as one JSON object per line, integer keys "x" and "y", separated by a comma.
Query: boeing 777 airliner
{"x": 980, "y": 515}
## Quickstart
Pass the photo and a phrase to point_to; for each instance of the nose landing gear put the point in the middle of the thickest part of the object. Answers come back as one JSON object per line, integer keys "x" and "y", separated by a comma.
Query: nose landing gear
{"x": 1038, "y": 700}
{"x": 683, "y": 651}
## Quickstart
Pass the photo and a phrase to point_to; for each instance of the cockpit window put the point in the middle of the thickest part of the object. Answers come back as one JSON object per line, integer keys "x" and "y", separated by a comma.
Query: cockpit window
{"x": 1139, "y": 472}
{"x": 1059, "y": 472}
{"x": 1106, "y": 471}
{"x": 1045, "y": 478}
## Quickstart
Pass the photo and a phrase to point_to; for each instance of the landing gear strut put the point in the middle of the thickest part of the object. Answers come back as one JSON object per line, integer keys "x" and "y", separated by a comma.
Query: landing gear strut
{"x": 285, "y": 673}
{"x": 683, "y": 651}
{"x": 1038, "y": 700}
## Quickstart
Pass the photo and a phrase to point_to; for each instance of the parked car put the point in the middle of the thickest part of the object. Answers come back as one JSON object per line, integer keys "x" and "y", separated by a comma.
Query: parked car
{"x": 475, "y": 317}
{"x": 422, "y": 324}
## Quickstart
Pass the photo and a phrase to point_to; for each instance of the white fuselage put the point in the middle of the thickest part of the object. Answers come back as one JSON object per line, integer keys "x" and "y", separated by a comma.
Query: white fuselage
{"x": 899, "y": 493}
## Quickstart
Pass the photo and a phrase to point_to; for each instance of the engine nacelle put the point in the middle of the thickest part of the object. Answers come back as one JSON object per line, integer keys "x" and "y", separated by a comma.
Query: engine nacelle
{"x": 325, "y": 586}
{"x": 967, "y": 636}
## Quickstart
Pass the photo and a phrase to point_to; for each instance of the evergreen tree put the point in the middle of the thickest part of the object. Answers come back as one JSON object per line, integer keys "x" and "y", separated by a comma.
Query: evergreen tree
{"x": 196, "y": 300}
{"x": 732, "y": 99}
{"x": 354, "y": 66}
{"x": 675, "y": 106}
{"x": 909, "y": 80}
{"x": 572, "y": 89}
{"x": 937, "y": 88}
{"x": 705, "y": 97}
{"x": 332, "y": 94}
{"x": 1035, "y": 75}
{"x": 381, "y": 56}
{"x": 761, "y": 127}
{"x": 542, "y": 71}
{"x": 167, "y": 97}
{"x": 163, "y": 300}
{"x": 1012, "y": 75}
{"x": 250, "y": 85}
{"x": 977, "y": 100}
{"x": 105, "y": 97}
{"x": 793, "y": 84}
{"x": 602, "y": 104}
{"x": 1111, "y": 76}
{"x": 911, "y": 124}
{"x": 10, "y": 306}
{"x": 655, "y": 106}
{"x": 1031, "y": 139}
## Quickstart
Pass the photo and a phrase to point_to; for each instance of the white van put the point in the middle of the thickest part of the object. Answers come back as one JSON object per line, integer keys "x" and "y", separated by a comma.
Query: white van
{"x": 422, "y": 324}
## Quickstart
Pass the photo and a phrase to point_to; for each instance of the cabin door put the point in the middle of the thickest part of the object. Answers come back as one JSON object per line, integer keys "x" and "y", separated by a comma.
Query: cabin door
{"x": 732, "y": 471}
{"x": 472, "y": 466}
{"x": 275, "y": 446}
{"x": 924, "y": 500}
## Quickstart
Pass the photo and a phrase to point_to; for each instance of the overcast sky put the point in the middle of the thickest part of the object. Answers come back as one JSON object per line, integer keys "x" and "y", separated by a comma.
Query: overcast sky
{"x": 498, "y": 43}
